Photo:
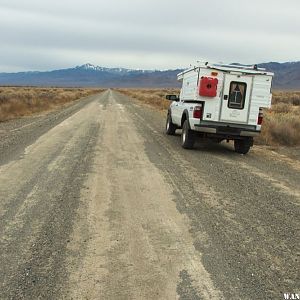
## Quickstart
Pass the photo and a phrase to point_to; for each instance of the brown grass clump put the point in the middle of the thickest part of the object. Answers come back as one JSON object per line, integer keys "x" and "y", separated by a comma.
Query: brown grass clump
{"x": 22, "y": 101}
{"x": 281, "y": 125}
{"x": 281, "y": 108}
{"x": 280, "y": 128}
{"x": 292, "y": 98}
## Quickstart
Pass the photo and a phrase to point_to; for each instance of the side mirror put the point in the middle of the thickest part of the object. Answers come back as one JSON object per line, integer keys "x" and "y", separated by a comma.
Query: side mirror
{"x": 172, "y": 97}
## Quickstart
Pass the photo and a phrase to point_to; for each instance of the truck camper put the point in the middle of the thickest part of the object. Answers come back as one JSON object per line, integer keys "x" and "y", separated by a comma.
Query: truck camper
{"x": 220, "y": 102}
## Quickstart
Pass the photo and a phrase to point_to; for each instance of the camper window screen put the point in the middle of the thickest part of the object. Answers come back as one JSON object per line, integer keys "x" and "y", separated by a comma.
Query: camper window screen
{"x": 237, "y": 95}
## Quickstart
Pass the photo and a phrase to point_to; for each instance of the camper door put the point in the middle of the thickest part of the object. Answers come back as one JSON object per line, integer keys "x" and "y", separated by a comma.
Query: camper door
{"x": 236, "y": 98}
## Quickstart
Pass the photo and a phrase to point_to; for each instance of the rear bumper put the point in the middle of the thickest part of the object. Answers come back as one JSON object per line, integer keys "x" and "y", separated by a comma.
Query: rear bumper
{"x": 226, "y": 131}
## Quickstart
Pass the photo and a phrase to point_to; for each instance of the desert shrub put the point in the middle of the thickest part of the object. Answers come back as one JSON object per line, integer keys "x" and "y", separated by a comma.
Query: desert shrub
{"x": 286, "y": 97}
{"x": 22, "y": 101}
{"x": 282, "y": 108}
{"x": 281, "y": 124}
{"x": 296, "y": 101}
{"x": 285, "y": 133}
{"x": 280, "y": 129}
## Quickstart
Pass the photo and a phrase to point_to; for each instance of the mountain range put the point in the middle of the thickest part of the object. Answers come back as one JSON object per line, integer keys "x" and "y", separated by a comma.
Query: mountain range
{"x": 287, "y": 77}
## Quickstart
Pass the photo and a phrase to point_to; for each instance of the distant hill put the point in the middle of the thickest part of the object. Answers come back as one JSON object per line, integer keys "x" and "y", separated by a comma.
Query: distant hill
{"x": 89, "y": 75}
{"x": 287, "y": 76}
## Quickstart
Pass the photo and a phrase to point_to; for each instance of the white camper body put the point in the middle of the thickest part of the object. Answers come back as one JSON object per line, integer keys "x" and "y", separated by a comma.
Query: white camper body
{"x": 228, "y": 98}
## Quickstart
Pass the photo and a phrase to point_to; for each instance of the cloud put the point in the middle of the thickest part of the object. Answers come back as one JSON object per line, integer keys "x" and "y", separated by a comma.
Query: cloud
{"x": 146, "y": 34}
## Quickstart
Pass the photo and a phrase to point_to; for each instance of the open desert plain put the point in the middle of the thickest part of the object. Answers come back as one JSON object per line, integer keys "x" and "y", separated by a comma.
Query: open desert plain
{"x": 97, "y": 202}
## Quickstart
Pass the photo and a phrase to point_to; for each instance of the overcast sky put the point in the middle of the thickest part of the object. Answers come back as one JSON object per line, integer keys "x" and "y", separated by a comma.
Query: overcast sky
{"x": 146, "y": 34}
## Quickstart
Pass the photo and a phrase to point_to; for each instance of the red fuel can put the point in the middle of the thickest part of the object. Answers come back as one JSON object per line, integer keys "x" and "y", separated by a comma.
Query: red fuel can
{"x": 208, "y": 87}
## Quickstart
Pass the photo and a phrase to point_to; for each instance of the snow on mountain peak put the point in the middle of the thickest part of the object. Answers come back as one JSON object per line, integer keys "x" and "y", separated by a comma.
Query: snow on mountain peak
{"x": 122, "y": 71}
{"x": 87, "y": 66}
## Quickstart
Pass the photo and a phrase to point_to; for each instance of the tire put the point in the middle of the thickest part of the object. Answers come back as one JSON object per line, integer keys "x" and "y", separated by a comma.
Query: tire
{"x": 187, "y": 136}
{"x": 170, "y": 127}
{"x": 242, "y": 146}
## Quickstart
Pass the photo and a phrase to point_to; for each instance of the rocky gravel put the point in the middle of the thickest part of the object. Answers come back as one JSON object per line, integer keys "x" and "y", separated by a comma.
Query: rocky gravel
{"x": 96, "y": 202}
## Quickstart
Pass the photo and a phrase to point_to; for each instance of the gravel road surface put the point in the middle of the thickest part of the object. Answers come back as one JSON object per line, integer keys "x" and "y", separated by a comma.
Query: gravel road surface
{"x": 96, "y": 202}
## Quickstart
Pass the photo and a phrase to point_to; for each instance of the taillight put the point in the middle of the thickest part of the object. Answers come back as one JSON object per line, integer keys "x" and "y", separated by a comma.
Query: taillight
{"x": 197, "y": 113}
{"x": 260, "y": 117}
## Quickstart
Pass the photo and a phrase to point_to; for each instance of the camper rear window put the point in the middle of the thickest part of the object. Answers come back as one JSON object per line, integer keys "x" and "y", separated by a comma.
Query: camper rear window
{"x": 237, "y": 95}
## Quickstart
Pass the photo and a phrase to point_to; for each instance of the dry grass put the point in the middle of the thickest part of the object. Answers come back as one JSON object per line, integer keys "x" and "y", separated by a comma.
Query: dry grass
{"x": 23, "y": 101}
{"x": 281, "y": 124}
{"x": 286, "y": 98}
{"x": 152, "y": 97}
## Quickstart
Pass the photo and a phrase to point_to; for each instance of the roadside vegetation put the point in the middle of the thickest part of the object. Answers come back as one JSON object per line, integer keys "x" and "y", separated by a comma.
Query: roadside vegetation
{"x": 153, "y": 97}
{"x": 281, "y": 125}
{"x": 22, "y": 101}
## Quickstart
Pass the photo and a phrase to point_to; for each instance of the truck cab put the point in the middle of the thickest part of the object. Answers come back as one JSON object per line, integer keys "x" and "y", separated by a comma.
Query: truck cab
{"x": 220, "y": 102}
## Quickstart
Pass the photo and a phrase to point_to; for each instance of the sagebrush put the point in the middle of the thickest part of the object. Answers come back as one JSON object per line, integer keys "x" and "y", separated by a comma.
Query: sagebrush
{"x": 22, "y": 101}
{"x": 281, "y": 125}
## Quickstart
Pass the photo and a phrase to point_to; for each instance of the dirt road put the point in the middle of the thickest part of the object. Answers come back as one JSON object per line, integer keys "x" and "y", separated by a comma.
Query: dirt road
{"x": 96, "y": 202}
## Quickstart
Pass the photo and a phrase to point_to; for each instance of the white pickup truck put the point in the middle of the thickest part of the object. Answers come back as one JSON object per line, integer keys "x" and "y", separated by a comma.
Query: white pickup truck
{"x": 220, "y": 102}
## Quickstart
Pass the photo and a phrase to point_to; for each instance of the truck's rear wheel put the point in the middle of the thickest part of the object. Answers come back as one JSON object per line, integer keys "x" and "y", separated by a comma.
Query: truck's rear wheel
{"x": 187, "y": 136}
{"x": 170, "y": 127}
{"x": 242, "y": 146}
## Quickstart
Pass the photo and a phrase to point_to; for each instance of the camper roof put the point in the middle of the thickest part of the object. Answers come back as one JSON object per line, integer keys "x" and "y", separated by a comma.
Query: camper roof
{"x": 229, "y": 68}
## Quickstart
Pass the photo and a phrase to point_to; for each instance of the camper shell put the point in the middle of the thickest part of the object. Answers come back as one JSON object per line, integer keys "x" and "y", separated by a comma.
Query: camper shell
{"x": 221, "y": 102}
